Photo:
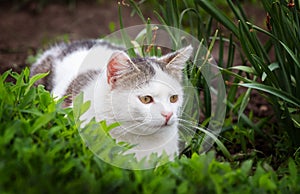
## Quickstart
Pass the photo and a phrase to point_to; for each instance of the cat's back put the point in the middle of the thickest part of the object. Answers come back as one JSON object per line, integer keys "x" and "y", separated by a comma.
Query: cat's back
{"x": 66, "y": 61}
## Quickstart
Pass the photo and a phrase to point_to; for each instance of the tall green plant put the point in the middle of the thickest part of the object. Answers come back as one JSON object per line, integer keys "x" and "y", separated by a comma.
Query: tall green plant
{"x": 279, "y": 78}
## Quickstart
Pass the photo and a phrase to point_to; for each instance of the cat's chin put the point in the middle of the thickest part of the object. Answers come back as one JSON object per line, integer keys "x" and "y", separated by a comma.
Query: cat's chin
{"x": 152, "y": 129}
{"x": 159, "y": 126}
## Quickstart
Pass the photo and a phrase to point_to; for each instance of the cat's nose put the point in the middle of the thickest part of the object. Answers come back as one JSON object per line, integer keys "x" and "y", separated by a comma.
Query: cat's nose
{"x": 167, "y": 115}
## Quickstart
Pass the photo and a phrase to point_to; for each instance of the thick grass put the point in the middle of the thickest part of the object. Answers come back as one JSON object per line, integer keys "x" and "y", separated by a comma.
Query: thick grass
{"x": 42, "y": 152}
{"x": 279, "y": 77}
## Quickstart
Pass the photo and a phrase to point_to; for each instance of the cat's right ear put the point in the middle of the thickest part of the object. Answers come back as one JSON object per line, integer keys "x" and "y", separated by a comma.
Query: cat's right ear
{"x": 118, "y": 65}
{"x": 174, "y": 62}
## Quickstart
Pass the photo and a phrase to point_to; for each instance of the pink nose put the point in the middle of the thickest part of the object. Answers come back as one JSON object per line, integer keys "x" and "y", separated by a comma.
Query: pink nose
{"x": 167, "y": 115}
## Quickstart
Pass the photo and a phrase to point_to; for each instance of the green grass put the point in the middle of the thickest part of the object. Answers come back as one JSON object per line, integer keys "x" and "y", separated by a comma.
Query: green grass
{"x": 278, "y": 78}
{"x": 42, "y": 152}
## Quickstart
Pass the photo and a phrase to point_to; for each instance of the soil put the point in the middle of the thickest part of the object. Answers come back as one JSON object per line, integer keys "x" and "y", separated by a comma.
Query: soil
{"x": 26, "y": 30}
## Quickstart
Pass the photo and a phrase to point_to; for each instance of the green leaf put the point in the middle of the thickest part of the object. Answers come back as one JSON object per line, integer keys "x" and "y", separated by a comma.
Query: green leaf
{"x": 289, "y": 51}
{"x": 85, "y": 106}
{"x": 112, "y": 126}
{"x": 246, "y": 167}
{"x": 41, "y": 121}
{"x": 244, "y": 103}
{"x": 293, "y": 170}
{"x": 245, "y": 69}
{"x": 137, "y": 10}
{"x": 34, "y": 78}
{"x": 219, "y": 15}
{"x": 28, "y": 98}
{"x": 276, "y": 92}
{"x": 77, "y": 105}
{"x": 267, "y": 183}
{"x": 125, "y": 37}
{"x": 10, "y": 132}
{"x": 112, "y": 26}
{"x": 272, "y": 67}
{"x": 292, "y": 54}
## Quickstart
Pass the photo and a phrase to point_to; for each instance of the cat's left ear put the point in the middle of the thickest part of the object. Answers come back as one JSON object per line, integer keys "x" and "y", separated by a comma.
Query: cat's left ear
{"x": 118, "y": 65}
{"x": 174, "y": 62}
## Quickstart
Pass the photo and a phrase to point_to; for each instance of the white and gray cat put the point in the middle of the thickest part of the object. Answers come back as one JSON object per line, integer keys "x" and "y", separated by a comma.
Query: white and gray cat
{"x": 143, "y": 94}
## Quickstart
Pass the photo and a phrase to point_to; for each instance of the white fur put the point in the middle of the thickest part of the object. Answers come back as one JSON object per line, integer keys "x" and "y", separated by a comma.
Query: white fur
{"x": 141, "y": 124}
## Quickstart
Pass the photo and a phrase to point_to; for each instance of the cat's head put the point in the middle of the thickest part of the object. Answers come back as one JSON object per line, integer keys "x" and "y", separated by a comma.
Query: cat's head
{"x": 146, "y": 93}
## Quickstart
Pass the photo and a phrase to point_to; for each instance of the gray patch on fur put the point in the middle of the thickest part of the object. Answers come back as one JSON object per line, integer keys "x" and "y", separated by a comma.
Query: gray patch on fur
{"x": 175, "y": 73}
{"x": 69, "y": 48}
{"x": 45, "y": 66}
{"x": 142, "y": 75}
{"x": 77, "y": 84}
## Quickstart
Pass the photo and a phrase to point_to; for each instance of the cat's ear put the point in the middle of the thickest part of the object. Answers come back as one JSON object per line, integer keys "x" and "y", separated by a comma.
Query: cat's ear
{"x": 174, "y": 62}
{"x": 119, "y": 64}
{"x": 178, "y": 58}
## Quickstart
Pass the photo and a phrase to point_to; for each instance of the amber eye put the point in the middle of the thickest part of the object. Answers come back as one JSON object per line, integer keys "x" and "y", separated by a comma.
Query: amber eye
{"x": 173, "y": 98}
{"x": 146, "y": 99}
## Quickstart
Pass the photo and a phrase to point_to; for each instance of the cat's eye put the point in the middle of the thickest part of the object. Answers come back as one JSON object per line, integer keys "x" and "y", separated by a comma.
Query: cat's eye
{"x": 146, "y": 99}
{"x": 174, "y": 98}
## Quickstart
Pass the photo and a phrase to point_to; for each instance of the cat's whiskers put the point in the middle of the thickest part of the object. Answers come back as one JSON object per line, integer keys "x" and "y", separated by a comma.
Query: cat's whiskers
{"x": 189, "y": 138}
{"x": 128, "y": 129}
{"x": 183, "y": 123}
{"x": 145, "y": 124}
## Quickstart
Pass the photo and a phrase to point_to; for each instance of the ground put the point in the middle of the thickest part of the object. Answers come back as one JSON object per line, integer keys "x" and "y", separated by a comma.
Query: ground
{"x": 25, "y": 30}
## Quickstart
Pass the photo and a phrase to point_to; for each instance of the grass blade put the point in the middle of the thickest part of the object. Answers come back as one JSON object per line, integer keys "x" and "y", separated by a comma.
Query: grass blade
{"x": 276, "y": 92}
{"x": 218, "y": 15}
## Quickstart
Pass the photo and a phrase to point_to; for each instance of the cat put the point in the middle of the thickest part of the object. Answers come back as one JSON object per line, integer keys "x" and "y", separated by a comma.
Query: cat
{"x": 143, "y": 94}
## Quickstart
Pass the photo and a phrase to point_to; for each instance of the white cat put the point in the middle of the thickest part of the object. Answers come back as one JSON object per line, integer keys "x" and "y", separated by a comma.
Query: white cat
{"x": 143, "y": 94}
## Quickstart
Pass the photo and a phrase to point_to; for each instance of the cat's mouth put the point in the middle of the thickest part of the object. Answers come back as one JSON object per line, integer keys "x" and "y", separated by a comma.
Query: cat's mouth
{"x": 167, "y": 124}
{"x": 160, "y": 125}
{"x": 142, "y": 128}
